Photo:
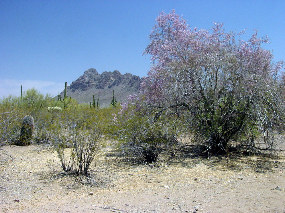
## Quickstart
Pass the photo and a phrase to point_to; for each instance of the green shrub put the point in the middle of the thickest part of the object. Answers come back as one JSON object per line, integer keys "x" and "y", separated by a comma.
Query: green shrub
{"x": 143, "y": 136}
{"x": 10, "y": 120}
{"x": 76, "y": 138}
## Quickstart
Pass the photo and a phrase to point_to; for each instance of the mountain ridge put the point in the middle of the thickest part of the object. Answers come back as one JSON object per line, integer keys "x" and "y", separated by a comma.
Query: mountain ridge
{"x": 102, "y": 86}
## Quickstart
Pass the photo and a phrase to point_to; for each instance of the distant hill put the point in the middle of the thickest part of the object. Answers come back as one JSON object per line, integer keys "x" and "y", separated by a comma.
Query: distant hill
{"x": 102, "y": 86}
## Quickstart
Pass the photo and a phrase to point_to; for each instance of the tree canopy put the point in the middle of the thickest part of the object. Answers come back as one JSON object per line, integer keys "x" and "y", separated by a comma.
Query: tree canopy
{"x": 225, "y": 86}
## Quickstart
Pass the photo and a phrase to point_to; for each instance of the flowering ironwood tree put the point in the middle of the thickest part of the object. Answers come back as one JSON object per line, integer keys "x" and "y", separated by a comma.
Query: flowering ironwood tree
{"x": 225, "y": 87}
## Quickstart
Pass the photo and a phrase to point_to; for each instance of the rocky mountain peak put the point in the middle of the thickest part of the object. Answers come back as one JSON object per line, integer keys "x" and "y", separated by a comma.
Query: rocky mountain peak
{"x": 92, "y": 83}
{"x": 91, "y": 72}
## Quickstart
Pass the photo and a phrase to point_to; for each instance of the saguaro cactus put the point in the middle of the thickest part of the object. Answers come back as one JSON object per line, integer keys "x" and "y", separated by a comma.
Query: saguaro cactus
{"x": 66, "y": 101}
{"x": 94, "y": 102}
{"x": 21, "y": 92}
{"x": 114, "y": 101}
{"x": 65, "y": 89}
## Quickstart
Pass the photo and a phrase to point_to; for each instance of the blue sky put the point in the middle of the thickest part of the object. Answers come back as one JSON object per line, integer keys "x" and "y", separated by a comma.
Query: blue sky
{"x": 44, "y": 43}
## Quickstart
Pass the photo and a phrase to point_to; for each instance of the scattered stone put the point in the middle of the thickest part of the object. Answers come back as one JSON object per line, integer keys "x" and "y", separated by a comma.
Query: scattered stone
{"x": 277, "y": 188}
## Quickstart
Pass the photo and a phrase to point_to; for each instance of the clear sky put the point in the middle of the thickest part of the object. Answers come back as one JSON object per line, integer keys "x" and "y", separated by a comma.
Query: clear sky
{"x": 44, "y": 43}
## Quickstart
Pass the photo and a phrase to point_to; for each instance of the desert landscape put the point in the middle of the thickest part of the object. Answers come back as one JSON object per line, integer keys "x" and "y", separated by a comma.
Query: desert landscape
{"x": 142, "y": 106}
{"x": 32, "y": 181}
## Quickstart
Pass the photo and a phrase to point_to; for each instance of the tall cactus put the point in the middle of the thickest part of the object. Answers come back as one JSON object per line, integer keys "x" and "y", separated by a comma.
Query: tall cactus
{"x": 114, "y": 101}
{"x": 65, "y": 100}
{"x": 94, "y": 102}
{"x": 65, "y": 89}
{"x": 21, "y": 92}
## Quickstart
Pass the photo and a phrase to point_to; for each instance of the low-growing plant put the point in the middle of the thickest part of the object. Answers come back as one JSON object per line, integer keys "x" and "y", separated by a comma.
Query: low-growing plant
{"x": 76, "y": 139}
{"x": 141, "y": 134}
{"x": 11, "y": 116}
{"x": 10, "y": 125}
{"x": 43, "y": 126}
{"x": 76, "y": 149}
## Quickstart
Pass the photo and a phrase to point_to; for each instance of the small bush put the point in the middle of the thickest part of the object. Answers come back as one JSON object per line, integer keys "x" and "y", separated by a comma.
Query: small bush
{"x": 143, "y": 136}
{"x": 76, "y": 149}
{"x": 75, "y": 137}
{"x": 10, "y": 125}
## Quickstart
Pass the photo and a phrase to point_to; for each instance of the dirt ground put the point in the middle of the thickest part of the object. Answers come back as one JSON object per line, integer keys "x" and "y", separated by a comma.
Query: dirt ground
{"x": 32, "y": 181}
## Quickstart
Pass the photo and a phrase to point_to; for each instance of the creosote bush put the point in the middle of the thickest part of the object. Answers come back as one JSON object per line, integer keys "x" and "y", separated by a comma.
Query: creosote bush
{"x": 10, "y": 126}
{"x": 76, "y": 148}
{"x": 140, "y": 134}
{"x": 76, "y": 136}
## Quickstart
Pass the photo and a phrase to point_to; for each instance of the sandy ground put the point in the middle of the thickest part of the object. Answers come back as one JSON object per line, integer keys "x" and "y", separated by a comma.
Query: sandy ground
{"x": 32, "y": 181}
